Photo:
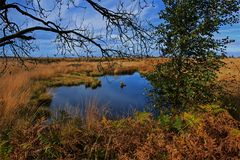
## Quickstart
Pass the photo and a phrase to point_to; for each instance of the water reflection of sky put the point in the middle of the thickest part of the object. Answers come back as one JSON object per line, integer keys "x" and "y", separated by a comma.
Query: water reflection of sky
{"x": 119, "y": 101}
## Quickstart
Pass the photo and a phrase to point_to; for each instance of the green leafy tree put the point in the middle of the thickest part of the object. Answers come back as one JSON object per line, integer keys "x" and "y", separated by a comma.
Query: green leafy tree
{"x": 187, "y": 37}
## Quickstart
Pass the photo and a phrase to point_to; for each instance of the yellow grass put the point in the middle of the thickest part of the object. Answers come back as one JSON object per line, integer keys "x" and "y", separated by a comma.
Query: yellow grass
{"x": 230, "y": 74}
{"x": 18, "y": 85}
{"x": 14, "y": 91}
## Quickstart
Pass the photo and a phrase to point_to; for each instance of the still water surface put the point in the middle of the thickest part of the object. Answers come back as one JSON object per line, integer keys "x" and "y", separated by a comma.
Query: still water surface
{"x": 117, "y": 101}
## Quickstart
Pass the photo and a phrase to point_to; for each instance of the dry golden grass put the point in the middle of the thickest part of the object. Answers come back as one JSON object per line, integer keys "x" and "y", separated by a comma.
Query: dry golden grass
{"x": 212, "y": 136}
{"x": 141, "y": 137}
{"x": 14, "y": 91}
{"x": 19, "y": 84}
{"x": 230, "y": 74}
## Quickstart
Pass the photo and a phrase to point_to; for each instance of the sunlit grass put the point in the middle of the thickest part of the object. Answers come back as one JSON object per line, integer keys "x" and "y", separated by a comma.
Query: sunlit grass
{"x": 20, "y": 86}
{"x": 198, "y": 135}
{"x": 27, "y": 131}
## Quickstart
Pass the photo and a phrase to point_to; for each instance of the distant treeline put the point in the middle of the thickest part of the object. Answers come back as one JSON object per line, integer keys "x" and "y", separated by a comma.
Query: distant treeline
{"x": 72, "y": 59}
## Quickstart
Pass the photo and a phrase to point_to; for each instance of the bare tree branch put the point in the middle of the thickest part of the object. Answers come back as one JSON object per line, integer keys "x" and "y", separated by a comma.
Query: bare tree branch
{"x": 18, "y": 38}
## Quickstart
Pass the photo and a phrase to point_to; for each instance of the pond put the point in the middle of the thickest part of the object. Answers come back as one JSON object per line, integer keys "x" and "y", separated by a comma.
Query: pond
{"x": 119, "y": 96}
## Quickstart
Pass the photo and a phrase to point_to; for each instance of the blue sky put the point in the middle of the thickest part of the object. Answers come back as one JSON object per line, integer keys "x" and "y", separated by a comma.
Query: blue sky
{"x": 91, "y": 19}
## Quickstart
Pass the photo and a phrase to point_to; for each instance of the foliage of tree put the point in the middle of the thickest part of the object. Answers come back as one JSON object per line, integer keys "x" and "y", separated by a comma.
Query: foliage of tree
{"x": 187, "y": 37}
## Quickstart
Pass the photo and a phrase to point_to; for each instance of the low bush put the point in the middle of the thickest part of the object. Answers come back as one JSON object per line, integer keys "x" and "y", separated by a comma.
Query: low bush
{"x": 191, "y": 135}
